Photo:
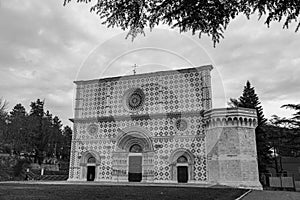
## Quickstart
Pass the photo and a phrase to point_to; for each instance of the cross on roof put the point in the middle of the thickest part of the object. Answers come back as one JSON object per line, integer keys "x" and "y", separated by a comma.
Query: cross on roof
{"x": 134, "y": 69}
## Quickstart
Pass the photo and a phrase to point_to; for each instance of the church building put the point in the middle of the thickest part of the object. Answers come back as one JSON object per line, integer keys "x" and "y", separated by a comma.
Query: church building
{"x": 161, "y": 128}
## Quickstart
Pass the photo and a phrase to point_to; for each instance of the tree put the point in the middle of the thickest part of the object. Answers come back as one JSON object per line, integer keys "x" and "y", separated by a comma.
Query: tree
{"x": 205, "y": 16}
{"x": 295, "y": 120}
{"x": 17, "y": 133}
{"x": 37, "y": 108}
{"x": 290, "y": 129}
{"x": 249, "y": 99}
{"x": 45, "y": 132}
{"x": 57, "y": 137}
{"x": 36, "y": 131}
{"x": 66, "y": 146}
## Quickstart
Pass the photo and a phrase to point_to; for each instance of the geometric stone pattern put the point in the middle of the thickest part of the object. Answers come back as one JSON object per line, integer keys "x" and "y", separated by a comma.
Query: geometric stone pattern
{"x": 171, "y": 91}
{"x": 168, "y": 115}
{"x": 172, "y": 102}
{"x": 165, "y": 135}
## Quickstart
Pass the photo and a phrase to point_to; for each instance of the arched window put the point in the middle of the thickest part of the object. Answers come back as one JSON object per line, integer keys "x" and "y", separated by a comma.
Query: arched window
{"x": 91, "y": 160}
{"x": 182, "y": 159}
{"x": 135, "y": 149}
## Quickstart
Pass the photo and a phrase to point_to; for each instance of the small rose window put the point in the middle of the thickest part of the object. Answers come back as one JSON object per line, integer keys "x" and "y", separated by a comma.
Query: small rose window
{"x": 181, "y": 124}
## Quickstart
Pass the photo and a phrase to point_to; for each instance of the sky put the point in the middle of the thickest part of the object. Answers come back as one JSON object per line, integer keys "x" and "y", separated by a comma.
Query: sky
{"x": 45, "y": 46}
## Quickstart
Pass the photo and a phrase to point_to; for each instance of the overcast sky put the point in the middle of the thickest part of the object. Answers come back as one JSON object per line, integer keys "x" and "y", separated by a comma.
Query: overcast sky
{"x": 44, "y": 47}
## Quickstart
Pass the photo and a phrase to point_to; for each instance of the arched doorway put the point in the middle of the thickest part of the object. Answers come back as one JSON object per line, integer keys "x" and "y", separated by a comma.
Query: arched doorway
{"x": 135, "y": 163}
{"x": 89, "y": 165}
{"x": 182, "y": 165}
{"x": 182, "y": 170}
{"x": 91, "y": 169}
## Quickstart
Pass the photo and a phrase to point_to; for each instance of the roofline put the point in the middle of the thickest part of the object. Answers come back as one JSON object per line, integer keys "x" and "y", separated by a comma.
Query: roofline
{"x": 200, "y": 68}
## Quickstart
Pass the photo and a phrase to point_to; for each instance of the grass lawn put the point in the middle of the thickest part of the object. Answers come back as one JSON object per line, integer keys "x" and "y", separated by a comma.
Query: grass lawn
{"x": 115, "y": 192}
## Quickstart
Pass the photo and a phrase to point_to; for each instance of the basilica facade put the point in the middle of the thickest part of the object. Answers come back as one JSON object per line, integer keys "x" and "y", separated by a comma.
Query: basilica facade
{"x": 160, "y": 127}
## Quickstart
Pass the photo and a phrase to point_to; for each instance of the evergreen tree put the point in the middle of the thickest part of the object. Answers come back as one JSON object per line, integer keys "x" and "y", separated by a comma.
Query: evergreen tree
{"x": 57, "y": 137}
{"x": 249, "y": 99}
{"x": 37, "y": 108}
{"x": 37, "y": 133}
{"x": 295, "y": 120}
{"x": 17, "y": 133}
{"x": 48, "y": 135}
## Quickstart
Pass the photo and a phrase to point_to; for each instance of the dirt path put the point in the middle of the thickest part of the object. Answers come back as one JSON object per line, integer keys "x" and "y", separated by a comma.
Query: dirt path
{"x": 272, "y": 195}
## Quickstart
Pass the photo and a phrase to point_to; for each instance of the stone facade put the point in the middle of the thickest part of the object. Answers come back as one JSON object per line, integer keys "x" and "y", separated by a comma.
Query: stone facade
{"x": 159, "y": 127}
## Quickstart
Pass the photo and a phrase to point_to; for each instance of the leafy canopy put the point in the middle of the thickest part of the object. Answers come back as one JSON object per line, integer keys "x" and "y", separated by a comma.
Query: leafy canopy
{"x": 210, "y": 17}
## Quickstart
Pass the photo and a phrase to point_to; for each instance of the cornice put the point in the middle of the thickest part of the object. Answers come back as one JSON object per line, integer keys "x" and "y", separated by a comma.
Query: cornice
{"x": 151, "y": 74}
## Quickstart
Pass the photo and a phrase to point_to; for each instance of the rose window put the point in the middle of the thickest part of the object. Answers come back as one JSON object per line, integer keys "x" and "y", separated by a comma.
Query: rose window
{"x": 135, "y": 99}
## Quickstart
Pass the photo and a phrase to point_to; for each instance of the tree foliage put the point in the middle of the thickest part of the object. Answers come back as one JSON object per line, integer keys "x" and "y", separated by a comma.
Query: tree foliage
{"x": 249, "y": 99}
{"x": 37, "y": 133}
{"x": 294, "y": 121}
{"x": 198, "y": 16}
{"x": 17, "y": 128}
{"x": 288, "y": 144}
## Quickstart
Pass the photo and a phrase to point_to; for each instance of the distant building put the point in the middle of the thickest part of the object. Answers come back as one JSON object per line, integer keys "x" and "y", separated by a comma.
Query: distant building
{"x": 160, "y": 127}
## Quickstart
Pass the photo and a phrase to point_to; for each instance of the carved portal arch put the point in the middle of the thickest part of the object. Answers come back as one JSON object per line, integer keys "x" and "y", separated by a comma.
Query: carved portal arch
{"x": 176, "y": 157}
{"x": 134, "y": 136}
{"x": 87, "y": 155}
{"x": 88, "y": 159}
{"x": 181, "y": 152}
{"x": 134, "y": 148}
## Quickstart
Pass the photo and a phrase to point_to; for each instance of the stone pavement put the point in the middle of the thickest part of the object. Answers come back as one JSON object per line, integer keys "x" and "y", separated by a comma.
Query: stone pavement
{"x": 272, "y": 195}
{"x": 204, "y": 185}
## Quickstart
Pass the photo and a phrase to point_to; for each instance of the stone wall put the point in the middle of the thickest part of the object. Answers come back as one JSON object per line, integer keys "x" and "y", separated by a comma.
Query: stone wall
{"x": 231, "y": 147}
{"x": 163, "y": 134}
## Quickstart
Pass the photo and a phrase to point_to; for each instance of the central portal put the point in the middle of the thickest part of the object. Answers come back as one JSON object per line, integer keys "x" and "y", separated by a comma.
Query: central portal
{"x": 135, "y": 163}
{"x": 134, "y": 155}
{"x": 135, "y": 168}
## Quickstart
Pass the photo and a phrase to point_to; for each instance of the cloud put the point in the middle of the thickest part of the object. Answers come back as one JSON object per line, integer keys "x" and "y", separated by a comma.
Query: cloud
{"x": 268, "y": 57}
{"x": 44, "y": 47}
{"x": 41, "y": 48}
